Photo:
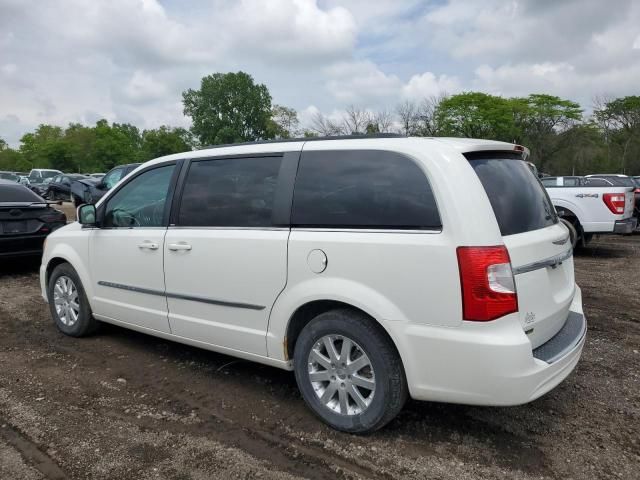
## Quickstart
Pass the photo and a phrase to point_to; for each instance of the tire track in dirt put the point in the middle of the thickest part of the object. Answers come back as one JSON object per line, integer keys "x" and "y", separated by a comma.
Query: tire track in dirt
{"x": 31, "y": 453}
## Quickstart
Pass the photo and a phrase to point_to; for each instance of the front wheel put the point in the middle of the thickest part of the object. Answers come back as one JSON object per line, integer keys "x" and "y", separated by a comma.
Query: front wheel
{"x": 68, "y": 302}
{"x": 349, "y": 372}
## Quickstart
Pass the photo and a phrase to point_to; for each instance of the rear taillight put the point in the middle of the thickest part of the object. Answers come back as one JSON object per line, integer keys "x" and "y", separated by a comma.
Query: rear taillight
{"x": 54, "y": 217}
{"x": 615, "y": 202}
{"x": 486, "y": 279}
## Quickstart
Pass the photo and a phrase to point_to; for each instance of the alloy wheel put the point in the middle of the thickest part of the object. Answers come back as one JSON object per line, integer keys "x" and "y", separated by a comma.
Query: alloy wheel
{"x": 66, "y": 300}
{"x": 341, "y": 375}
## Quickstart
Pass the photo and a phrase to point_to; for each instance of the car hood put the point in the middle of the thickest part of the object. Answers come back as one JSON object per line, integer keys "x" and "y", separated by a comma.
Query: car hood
{"x": 92, "y": 182}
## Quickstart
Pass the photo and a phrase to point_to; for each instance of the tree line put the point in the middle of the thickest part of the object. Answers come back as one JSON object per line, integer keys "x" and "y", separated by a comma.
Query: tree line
{"x": 231, "y": 108}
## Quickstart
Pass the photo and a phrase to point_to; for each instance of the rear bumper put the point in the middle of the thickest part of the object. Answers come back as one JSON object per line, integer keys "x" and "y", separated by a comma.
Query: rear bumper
{"x": 626, "y": 226}
{"x": 491, "y": 363}
{"x": 19, "y": 245}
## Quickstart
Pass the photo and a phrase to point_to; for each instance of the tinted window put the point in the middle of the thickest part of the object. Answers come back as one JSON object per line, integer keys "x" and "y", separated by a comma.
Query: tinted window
{"x": 236, "y": 192}
{"x": 571, "y": 181}
{"x": 141, "y": 202}
{"x": 550, "y": 182}
{"x": 519, "y": 201}
{"x": 362, "y": 189}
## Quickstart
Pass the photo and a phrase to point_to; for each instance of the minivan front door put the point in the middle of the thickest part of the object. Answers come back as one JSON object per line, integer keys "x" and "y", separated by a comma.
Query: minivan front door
{"x": 226, "y": 259}
{"x": 126, "y": 252}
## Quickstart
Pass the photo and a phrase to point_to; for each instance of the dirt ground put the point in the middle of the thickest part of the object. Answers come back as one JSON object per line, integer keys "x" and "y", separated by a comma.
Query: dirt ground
{"x": 125, "y": 405}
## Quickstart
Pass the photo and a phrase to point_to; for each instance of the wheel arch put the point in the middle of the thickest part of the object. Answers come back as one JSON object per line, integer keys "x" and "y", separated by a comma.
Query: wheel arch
{"x": 60, "y": 257}
{"x": 571, "y": 208}
{"x": 311, "y": 309}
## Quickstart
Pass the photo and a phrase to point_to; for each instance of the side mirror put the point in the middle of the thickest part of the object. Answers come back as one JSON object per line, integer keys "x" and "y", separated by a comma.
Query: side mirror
{"x": 86, "y": 215}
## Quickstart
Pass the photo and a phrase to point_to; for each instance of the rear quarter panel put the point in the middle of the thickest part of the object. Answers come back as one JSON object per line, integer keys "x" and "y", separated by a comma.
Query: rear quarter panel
{"x": 396, "y": 277}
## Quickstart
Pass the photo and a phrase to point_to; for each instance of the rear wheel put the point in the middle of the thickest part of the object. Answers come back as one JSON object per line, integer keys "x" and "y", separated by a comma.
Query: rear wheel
{"x": 573, "y": 234}
{"x": 349, "y": 372}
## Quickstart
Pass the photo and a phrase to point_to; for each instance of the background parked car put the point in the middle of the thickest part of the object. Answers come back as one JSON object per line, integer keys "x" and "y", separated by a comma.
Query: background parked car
{"x": 10, "y": 176}
{"x": 90, "y": 190}
{"x": 40, "y": 177}
{"x": 25, "y": 220}
{"x": 60, "y": 186}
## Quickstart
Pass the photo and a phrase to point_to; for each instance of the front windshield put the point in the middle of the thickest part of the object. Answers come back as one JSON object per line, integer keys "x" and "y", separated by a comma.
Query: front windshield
{"x": 49, "y": 174}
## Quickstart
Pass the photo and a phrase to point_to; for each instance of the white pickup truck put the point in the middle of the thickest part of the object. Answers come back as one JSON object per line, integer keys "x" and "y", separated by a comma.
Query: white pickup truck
{"x": 592, "y": 205}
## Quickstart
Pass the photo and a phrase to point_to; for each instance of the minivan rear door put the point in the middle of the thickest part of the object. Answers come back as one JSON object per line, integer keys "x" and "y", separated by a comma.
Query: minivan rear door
{"x": 538, "y": 244}
{"x": 225, "y": 257}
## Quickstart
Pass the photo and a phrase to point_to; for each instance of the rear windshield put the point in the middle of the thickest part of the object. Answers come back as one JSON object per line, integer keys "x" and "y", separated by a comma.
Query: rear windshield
{"x": 17, "y": 193}
{"x": 519, "y": 200}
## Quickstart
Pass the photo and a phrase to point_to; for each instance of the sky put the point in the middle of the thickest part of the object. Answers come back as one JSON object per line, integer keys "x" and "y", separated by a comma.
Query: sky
{"x": 129, "y": 60}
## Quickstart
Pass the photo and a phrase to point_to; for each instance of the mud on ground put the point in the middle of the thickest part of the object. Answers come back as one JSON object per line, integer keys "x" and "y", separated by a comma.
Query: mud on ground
{"x": 125, "y": 405}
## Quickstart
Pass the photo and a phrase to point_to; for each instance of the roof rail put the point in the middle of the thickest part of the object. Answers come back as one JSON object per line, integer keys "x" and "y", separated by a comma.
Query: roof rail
{"x": 308, "y": 139}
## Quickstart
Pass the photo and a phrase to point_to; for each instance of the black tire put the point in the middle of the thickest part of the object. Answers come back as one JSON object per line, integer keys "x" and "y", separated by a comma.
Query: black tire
{"x": 391, "y": 390}
{"x": 573, "y": 234}
{"x": 85, "y": 323}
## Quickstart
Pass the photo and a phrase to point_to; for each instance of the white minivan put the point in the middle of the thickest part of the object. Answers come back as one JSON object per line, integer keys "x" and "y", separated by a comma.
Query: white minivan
{"x": 374, "y": 268}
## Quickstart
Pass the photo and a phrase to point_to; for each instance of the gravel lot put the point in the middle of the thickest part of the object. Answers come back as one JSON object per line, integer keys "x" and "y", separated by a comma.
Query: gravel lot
{"x": 125, "y": 405}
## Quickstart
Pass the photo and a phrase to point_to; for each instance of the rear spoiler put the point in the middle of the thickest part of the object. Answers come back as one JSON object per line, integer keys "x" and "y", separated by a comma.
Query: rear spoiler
{"x": 28, "y": 204}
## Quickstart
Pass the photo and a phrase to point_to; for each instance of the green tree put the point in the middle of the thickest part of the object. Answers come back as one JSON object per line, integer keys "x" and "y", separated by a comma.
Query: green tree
{"x": 115, "y": 144}
{"x": 3, "y": 145}
{"x": 228, "y": 108}
{"x": 283, "y": 123}
{"x": 542, "y": 120}
{"x": 480, "y": 115}
{"x": 35, "y": 147}
{"x": 81, "y": 146}
{"x": 620, "y": 121}
{"x": 164, "y": 141}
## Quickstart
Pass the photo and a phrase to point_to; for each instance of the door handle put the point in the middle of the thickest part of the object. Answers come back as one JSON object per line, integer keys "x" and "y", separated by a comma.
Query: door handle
{"x": 175, "y": 247}
{"x": 148, "y": 245}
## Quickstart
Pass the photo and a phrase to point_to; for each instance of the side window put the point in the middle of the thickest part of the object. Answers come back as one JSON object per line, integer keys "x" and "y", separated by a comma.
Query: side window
{"x": 362, "y": 189}
{"x": 112, "y": 178}
{"x": 237, "y": 192}
{"x": 571, "y": 182}
{"x": 141, "y": 202}
{"x": 549, "y": 182}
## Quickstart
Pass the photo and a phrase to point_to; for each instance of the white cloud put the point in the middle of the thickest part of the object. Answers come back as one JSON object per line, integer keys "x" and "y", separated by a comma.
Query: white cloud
{"x": 129, "y": 60}
{"x": 9, "y": 68}
{"x": 428, "y": 84}
{"x": 143, "y": 86}
{"x": 361, "y": 81}
{"x": 285, "y": 29}
{"x": 561, "y": 79}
